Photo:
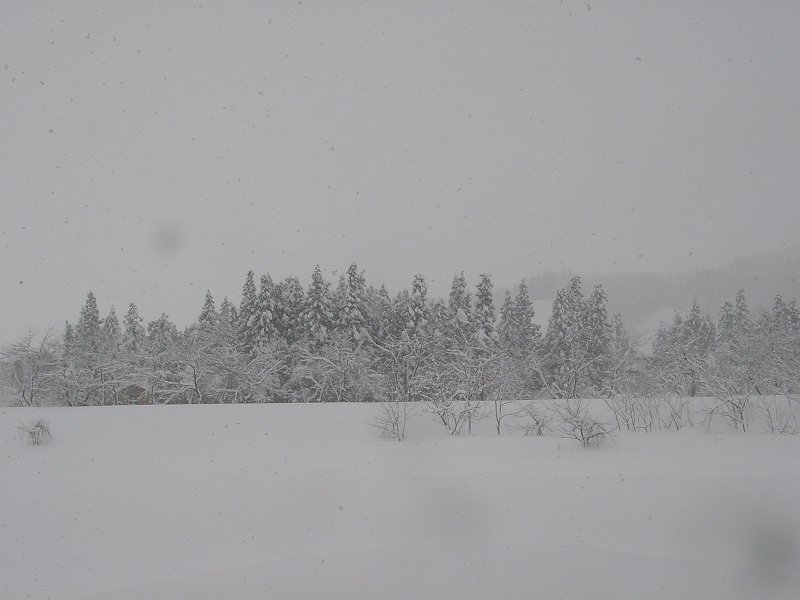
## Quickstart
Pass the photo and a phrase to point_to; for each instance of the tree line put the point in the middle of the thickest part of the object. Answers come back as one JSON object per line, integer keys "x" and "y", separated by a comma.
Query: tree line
{"x": 355, "y": 342}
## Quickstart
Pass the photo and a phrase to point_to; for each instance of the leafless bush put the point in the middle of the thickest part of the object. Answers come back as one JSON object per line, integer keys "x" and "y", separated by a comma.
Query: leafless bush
{"x": 779, "y": 412}
{"x": 573, "y": 422}
{"x": 37, "y": 430}
{"x": 391, "y": 418}
{"x": 537, "y": 419}
{"x": 674, "y": 410}
{"x": 458, "y": 385}
{"x": 635, "y": 413}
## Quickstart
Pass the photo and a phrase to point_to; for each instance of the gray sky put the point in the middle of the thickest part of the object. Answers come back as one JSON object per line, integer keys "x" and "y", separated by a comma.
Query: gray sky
{"x": 150, "y": 151}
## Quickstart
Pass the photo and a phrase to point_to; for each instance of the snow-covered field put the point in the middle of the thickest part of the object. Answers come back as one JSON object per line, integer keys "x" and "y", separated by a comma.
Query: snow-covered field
{"x": 305, "y": 501}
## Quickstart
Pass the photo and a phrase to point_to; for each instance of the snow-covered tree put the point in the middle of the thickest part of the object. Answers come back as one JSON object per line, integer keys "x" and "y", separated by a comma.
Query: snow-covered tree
{"x": 87, "y": 333}
{"x": 484, "y": 315}
{"x": 418, "y": 306}
{"x": 318, "y": 314}
{"x": 565, "y": 359}
{"x": 264, "y": 320}
{"x": 293, "y": 303}
{"x": 527, "y": 330}
{"x": 352, "y": 311}
{"x": 246, "y": 317}
{"x": 679, "y": 350}
{"x": 110, "y": 331}
{"x": 460, "y": 308}
{"x": 227, "y": 311}
{"x": 208, "y": 314}
{"x": 399, "y": 312}
{"x": 598, "y": 332}
{"x": 133, "y": 335}
{"x": 507, "y": 326}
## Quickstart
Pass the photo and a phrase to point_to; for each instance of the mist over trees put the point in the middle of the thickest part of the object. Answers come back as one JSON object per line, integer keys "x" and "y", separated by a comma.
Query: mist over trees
{"x": 289, "y": 342}
{"x": 644, "y": 298}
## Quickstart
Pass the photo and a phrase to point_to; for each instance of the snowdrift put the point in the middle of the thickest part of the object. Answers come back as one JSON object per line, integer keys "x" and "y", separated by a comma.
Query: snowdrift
{"x": 306, "y": 501}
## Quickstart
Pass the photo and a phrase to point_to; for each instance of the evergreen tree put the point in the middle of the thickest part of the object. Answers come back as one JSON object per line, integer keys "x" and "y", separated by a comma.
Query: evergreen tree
{"x": 484, "y": 310}
{"x": 264, "y": 319}
{"x": 597, "y": 329}
{"x": 528, "y": 331}
{"x": 162, "y": 335}
{"x": 69, "y": 341}
{"x": 400, "y": 309}
{"x": 133, "y": 335}
{"x": 227, "y": 312}
{"x": 564, "y": 350}
{"x": 742, "y": 311}
{"x": 87, "y": 333}
{"x": 439, "y": 322}
{"x": 726, "y": 325}
{"x": 785, "y": 316}
{"x": 459, "y": 308}
{"x": 379, "y": 313}
{"x": 417, "y": 306}
{"x": 679, "y": 350}
{"x": 352, "y": 315}
{"x": 246, "y": 318}
{"x": 293, "y": 303}
{"x": 318, "y": 314}
{"x": 110, "y": 331}
{"x": 208, "y": 315}
{"x": 337, "y": 300}
{"x": 507, "y": 327}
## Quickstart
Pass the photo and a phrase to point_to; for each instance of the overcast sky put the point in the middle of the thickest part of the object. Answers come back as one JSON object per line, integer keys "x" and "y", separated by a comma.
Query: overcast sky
{"x": 150, "y": 151}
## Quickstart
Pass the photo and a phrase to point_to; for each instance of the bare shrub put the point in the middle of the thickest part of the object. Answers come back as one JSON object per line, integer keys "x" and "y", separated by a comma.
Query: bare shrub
{"x": 573, "y": 422}
{"x": 779, "y": 412}
{"x": 537, "y": 419}
{"x": 391, "y": 418}
{"x": 674, "y": 411}
{"x": 635, "y": 413}
{"x": 38, "y": 431}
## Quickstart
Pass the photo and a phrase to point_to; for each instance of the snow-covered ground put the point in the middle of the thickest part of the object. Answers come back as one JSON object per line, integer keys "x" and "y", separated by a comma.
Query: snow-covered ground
{"x": 305, "y": 501}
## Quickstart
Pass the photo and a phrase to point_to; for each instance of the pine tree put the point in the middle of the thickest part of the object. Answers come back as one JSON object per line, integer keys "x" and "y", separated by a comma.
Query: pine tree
{"x": 698, "y": 333}
{"x": 245, "y": 326}
{"x": 227, "y": 312}
{"x": 438, "y": 323}
{"x": 597, "y": 329}
{"x": 484, "y": 310}
{"x": 226, "y": 322}
{"x": 293, "y": 295}
{"x": 318, "y": 314}
{"x": 459, "y": 308}
{"x": 417, "y": 306}
{"x": 337, "y": 301}
{"x": 208, "y": 315}
{"x": 352, "y": 317}
{"x": 785, "y": 316}
{"x": 162, "y": 335}
{"x": 742, "y": 311}
{"x": 399, "y": 314}
{"x": 110, "y": 331}
{"x": 379, "y": 313}
{"x": 528, "y": 331}
{"x": 507, "y": 327}
{"x": 564, "y": 347}
{"x": 133, "y": 335}
{"x": 69, "y": 341}
{"x": 680, "y": 348}
{"x": 263, "y": 320}
{"x": 726, "y": 325}
{"x": 87, "y": 333}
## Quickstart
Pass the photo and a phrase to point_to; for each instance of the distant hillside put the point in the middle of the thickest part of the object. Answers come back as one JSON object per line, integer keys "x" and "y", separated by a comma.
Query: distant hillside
{"x": 646, "y": 299}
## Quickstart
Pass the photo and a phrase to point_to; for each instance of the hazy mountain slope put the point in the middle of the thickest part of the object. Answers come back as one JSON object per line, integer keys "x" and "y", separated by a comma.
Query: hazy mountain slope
{"x": 644, "y": 299}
